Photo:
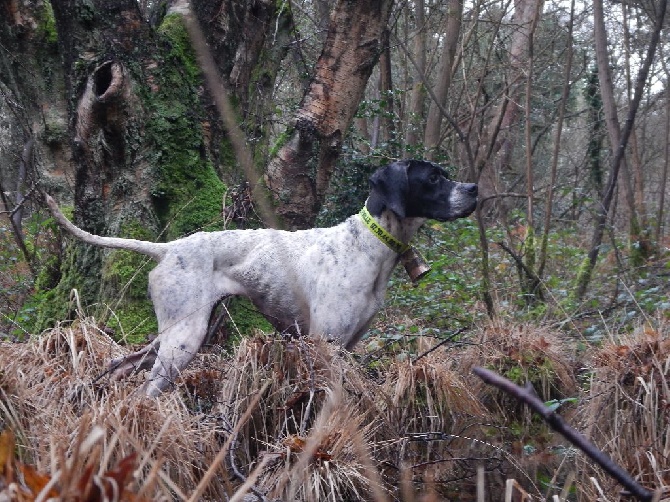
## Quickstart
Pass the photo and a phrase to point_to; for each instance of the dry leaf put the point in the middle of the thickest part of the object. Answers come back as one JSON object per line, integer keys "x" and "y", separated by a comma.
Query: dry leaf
{"x": 35, "y": 481}
{"x": 7, "y": 444}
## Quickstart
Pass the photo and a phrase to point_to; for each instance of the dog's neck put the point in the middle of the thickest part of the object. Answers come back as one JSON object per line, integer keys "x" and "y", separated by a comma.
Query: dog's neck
{"x": 402, "y": 229}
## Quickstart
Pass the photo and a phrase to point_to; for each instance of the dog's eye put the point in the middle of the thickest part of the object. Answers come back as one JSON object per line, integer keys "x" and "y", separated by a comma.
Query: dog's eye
{"x": 433, "y": 178}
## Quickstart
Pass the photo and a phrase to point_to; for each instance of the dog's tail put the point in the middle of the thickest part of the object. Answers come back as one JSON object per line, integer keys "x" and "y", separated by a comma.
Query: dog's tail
{"x": 155, "y": 250}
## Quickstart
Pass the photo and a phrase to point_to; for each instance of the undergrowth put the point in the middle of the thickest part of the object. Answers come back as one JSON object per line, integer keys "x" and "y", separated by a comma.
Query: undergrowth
{"x": 401, "y": 418}
{"x": 300, "y": 419}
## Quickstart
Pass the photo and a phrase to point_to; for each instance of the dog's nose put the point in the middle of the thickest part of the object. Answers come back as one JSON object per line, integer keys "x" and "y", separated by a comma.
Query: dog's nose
{"x": 471, "y": 189}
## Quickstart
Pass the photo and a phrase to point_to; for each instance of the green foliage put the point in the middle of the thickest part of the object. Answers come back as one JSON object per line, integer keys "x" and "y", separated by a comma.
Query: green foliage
{"x": 46, "y": 307}
{"x": 528, "y": 367}
{"x": 444, "y": 300}
{"x": 23, "y": 294}
{"x": 245, "y": 318}
{"x": 15, "y": 281}
{"x": 596, "y": 130}
{"x": 555, "y": 404}
{"x": 349, "y": 189}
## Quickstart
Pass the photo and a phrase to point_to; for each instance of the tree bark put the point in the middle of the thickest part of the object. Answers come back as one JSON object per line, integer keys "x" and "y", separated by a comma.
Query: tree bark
{"x": 452, "y": 32}
{"x": 640, "y": 232}
{"x": 600, "y": 35}
{"x": 525, "y": 13}
{"x": 126, "y": 129}
{"x": 248, "y": 42}
{"x": 660, "y": 227}
{"x": 418, "y": 94}
{"x": 299, "y": 174}
{"x": 610, "y": 111}
{"x": 387, "y": 99}
{"x": 138, "y": 148}
{"x": 565, "y": 96}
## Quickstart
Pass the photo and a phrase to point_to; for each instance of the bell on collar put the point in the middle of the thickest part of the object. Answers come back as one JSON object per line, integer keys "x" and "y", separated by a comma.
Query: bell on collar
{"x": 414, "y": 264}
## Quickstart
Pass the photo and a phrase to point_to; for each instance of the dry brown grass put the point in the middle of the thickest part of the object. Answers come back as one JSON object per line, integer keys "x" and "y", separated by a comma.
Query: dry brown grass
{"x": 311, "y": 424}
{"x": 521, "y": 353}
{"x": 430, "y": 410}
{"x": 311, "y": 428}
{"x": 49, "y": 400}
{"x": 627, "y": 409}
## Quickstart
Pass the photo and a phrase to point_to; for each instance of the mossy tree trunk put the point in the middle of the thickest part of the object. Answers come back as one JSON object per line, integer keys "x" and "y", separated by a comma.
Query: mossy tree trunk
{"x": 249, "y": 41}
{"x": 452, "y": 30}
{"x": 503, "y": 127}
{"x": 138, "y": 150}
{"x": 125, "y": 127}
{"x": 31, "y": 127}
{"x": 618, "y": 139}
{"x": 300, "y": 172}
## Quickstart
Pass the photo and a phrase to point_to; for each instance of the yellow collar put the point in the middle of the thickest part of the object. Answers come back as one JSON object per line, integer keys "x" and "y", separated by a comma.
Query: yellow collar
{"x": 381, "y": 233}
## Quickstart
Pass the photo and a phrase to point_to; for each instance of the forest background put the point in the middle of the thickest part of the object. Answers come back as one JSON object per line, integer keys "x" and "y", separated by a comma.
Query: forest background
{"x": 153, "y": 120}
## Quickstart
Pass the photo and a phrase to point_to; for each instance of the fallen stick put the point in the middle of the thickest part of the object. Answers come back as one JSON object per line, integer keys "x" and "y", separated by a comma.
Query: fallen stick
{"x": 528, "y": 396}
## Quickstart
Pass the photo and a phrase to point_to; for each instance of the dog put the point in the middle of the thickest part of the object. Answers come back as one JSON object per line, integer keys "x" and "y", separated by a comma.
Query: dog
{"x": 322, "y": 282}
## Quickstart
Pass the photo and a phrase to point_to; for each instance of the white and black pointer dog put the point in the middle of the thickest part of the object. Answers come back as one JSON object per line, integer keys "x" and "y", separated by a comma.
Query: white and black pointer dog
{"x": 323, "y": 281}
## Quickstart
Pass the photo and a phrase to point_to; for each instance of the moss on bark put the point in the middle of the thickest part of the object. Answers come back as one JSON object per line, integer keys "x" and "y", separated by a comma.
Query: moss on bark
{"x": 186, "y": 189}
{"x": 156, "y": 175}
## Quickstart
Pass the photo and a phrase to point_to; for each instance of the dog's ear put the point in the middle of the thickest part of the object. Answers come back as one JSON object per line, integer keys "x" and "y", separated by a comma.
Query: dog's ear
{"x": 388, "y": 189}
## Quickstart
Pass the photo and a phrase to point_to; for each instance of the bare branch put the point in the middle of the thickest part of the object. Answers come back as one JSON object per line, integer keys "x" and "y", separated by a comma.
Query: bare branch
{"x": 528, "y": 396}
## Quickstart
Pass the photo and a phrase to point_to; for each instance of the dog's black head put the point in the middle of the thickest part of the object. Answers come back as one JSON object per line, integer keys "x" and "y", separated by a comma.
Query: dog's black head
{"x": 420, "y": 189}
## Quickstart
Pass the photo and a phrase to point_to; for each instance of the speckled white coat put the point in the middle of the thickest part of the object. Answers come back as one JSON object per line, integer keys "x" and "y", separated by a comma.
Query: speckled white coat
{"x": 322, "y": 282}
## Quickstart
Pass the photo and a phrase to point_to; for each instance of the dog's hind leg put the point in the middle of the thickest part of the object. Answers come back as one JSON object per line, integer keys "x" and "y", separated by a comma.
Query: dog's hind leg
{"x": 183, "y": 303}
{"x": 180, "y": 343}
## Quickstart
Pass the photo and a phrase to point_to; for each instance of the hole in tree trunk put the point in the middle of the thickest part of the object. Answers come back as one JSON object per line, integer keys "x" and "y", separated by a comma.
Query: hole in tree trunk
{"x": 102, "y": 79}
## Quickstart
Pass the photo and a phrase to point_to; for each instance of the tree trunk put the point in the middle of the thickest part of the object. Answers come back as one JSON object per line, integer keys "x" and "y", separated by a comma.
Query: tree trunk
{"x": 640, "y": 232}
{"x": 530, "y": 285}
{"x": 387, "y": 108}
{"x": 257, "y": 34}
{"x": 138, "y": 149}
{"x": 299, "y": 174}
{"x": 452, "y": 32}
{"x": 612, "y": 117}
{"x": 660, "y": 226}
{"x": 525, "y": 13}
{"x": 418, "y": 93}
{"x": 127, "y": 126}
{"x": 565, "y": 96}
{"x": 586, "y": 270}
{"x": 29, "y": 65}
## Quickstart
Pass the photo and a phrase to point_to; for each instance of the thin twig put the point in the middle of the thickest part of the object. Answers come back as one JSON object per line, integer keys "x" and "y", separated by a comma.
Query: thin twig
{"x": 537, "y": 282}
{"x": 214, "y": 466}
{"x": 312, "y": 387}
{"x": 247, "y": 483}
{"x": 450, "y": 338}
